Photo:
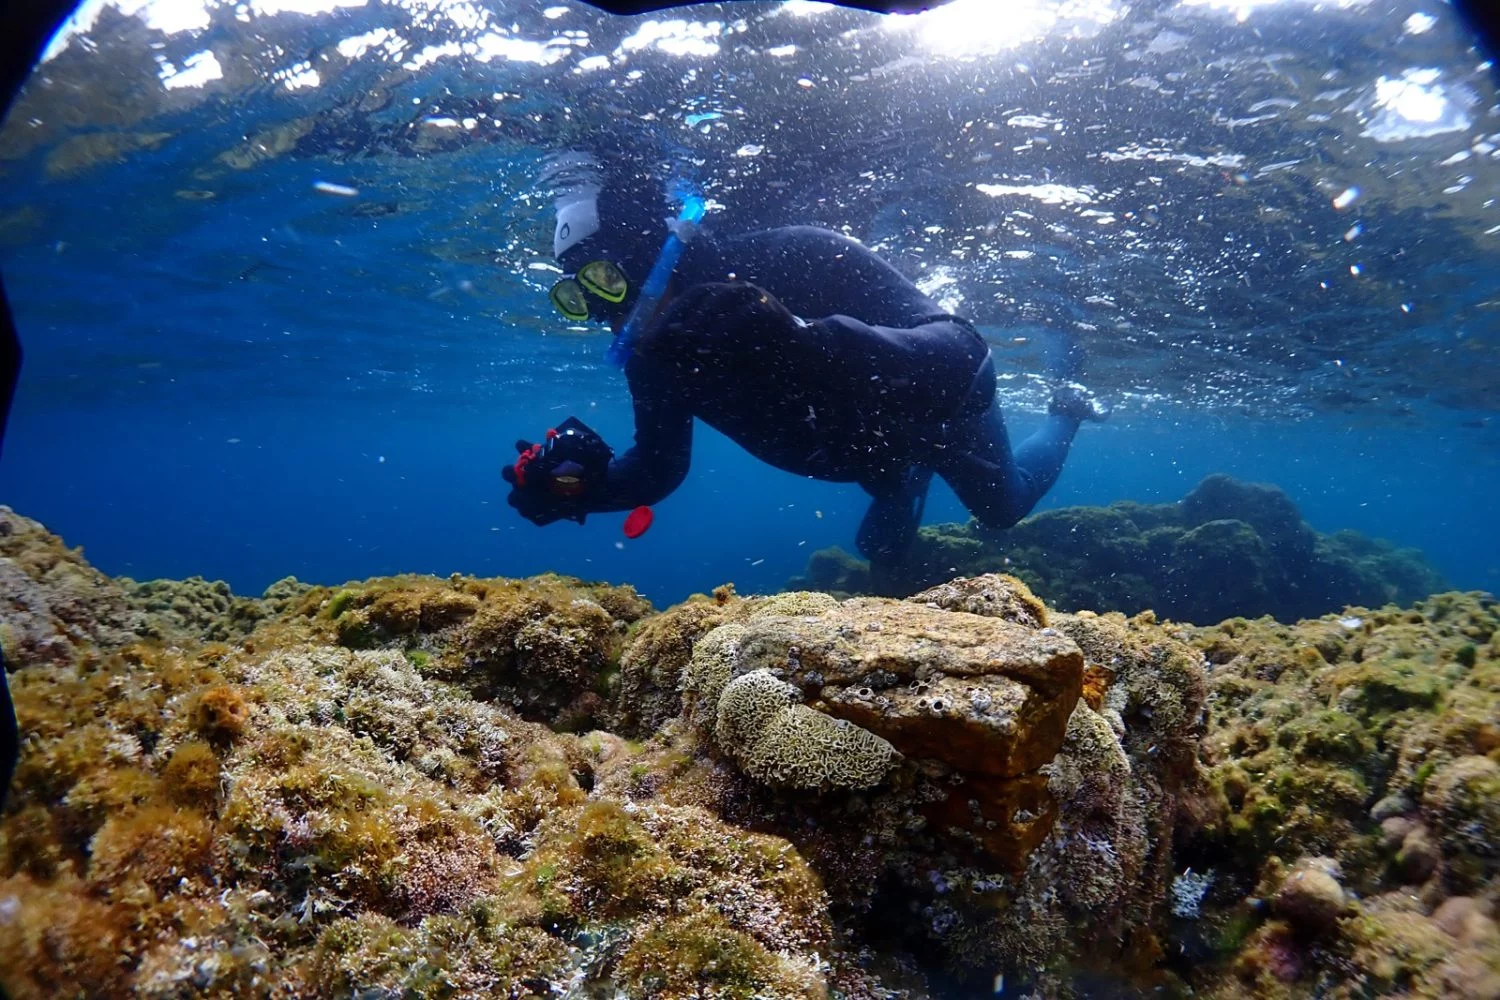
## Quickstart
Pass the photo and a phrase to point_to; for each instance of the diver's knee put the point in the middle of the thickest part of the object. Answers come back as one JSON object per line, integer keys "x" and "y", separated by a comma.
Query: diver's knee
{"x": 999, "y": 517}
{"x": 991, "y": 525}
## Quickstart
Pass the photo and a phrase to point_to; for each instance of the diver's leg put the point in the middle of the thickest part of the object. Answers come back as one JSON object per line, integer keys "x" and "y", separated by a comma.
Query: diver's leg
{"x": 998, "y": 486}
{"x": 889, "y": 528}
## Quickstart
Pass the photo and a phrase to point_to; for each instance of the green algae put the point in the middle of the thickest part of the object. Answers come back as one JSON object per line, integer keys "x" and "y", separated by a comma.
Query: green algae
{"x": 702, "y": 955}
{"x": 339, "y": 603}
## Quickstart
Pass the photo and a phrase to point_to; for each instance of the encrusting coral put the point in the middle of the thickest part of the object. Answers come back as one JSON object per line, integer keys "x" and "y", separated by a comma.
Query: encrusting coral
{"x": 780, "y": 742}
{"x": 400, "y": 787}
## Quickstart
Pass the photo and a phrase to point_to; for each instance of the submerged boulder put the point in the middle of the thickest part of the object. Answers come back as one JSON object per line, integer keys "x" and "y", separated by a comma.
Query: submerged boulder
{"x": 979, "y": 694}
{"x": 56, "y": 606}
{"x": 1026, "y": 768}
{"x": 1227, "y": 549}
{"x": 832, "y": 699}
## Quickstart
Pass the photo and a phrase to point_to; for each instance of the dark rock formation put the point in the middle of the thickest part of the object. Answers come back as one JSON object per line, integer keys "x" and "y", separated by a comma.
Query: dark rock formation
{"x": 1226, "y": 549}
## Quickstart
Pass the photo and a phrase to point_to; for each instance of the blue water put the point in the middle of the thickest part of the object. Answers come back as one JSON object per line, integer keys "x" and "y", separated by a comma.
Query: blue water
{"x": 276, "y": 381}
{"x": 159, "y": 490}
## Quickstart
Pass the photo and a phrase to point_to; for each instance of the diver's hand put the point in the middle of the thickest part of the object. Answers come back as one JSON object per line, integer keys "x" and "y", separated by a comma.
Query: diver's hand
{"x": 551, "y": 481}
{"x": 542, "y": 508}
{"x": 715, "y": 305}
{"x": 536, "y": 505}
{"x": 1073, "y": 400}
{"x": 508, "y": 473}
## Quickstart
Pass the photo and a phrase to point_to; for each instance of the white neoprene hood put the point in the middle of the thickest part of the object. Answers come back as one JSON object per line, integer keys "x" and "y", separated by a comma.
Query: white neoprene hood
{"x": 576, "y": 222}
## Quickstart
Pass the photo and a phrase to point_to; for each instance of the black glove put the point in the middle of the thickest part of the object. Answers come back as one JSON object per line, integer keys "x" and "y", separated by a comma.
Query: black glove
{"x": 552, "y": 480}
{"x": 1073, "y": 400}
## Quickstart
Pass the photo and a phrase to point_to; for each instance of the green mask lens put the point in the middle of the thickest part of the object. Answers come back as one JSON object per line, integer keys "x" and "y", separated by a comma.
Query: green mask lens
{"x": 604, "y": 279}
{"x": 568, "y": 298}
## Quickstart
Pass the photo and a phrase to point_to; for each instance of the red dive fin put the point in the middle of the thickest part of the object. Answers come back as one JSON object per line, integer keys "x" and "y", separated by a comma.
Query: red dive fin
{"x": 637, "y": 521}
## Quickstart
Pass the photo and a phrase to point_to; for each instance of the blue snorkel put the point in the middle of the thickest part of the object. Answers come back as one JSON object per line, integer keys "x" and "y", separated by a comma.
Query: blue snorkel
{"x": 693, "y": 207}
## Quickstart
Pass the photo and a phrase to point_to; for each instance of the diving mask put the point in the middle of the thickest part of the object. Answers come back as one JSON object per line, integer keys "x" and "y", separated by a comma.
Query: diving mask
{"x": 602, "y": 278}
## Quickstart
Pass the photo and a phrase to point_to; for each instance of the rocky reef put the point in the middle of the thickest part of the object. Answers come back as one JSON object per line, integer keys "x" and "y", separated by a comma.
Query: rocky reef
{"x": 1227, "y": 548}
{"x": 424, "y": 787}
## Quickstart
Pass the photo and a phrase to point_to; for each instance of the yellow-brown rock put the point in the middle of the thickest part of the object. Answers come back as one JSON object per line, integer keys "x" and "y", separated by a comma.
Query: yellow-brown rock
{"x": 982, "y": 695}
{"x": 984, "y": 699}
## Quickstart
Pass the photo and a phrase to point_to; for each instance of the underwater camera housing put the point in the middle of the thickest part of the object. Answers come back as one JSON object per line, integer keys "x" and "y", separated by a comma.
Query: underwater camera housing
{"x": 569, "y": 462}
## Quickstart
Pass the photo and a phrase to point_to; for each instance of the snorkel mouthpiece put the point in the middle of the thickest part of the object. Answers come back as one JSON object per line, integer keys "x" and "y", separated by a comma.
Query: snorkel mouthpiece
{"x": 693, "y": 207}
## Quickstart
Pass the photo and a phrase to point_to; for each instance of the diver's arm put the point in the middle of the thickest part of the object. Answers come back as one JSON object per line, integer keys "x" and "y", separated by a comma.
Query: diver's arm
{"x": 656, "y": 464}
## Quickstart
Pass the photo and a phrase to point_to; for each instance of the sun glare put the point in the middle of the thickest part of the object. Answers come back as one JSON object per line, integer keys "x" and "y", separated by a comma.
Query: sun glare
{"x": 983, "y": 27}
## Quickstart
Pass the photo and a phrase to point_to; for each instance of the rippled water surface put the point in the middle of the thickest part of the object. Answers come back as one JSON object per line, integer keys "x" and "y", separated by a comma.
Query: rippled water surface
{"x": 280, "y": 266}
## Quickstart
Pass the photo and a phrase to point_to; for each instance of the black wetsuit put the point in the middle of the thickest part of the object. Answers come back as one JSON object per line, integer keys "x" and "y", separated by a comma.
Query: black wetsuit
{"x": 867, "y": 380}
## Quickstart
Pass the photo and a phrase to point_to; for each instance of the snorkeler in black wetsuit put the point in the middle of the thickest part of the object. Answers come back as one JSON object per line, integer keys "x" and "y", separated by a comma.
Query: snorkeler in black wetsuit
{"x": 809, "y": 351}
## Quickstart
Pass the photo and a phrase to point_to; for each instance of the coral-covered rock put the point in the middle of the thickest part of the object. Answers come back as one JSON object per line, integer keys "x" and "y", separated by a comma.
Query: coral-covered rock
{"x": 1466, "y": 919}
{"x": 1227, "y": 548}
{"x": 1364, "y": 738}
{"x": 1311, "y": 723}
{"x": 1417, "y": 856}
{"x": 58, "y": 936}
{"x": 979, "y": 694}
{"x": 653, "y": 661}
{"x": 53, "y": 604}
{"x": 1393, "y": 948}
{"x": 372, "y": 792}
{"x": 704, "y": 955}
{"x": 1463, "y": 800}
{"x": 546, "y": 646}
{"x": 202, "y": 609}
{"x": 479, "y": 951}
{"x": 990, "y": 813}
{"x": 983, "y": 698}
{"x": 356, "y": 833}
{"x": 1124, "y": 779}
